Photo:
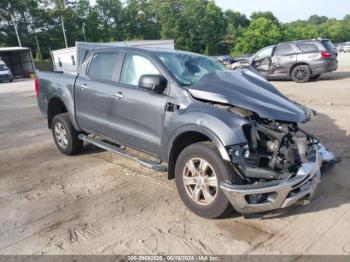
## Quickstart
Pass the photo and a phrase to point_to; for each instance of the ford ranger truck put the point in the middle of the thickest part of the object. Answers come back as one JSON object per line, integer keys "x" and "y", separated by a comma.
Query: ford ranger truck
{"x": 230, "y": 139}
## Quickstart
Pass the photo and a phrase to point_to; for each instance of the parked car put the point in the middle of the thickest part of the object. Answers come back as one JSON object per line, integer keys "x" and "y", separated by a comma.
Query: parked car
{"x": 339, "y": 47}
{"x": 5, "y": 73}
{"x": 298, "y": 60}
{"x": 229, "y": 138}
{"x": 343, "y": 47}
{"x": 346, "y": 48}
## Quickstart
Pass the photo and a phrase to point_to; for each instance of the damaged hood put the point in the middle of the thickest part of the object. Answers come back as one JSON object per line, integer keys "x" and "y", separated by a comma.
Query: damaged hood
{"x": 246, "y": 89}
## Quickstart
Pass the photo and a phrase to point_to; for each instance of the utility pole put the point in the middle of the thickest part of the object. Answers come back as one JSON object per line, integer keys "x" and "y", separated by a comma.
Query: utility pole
{"x": 84, "y": 32}
{"x": 14, "y": 22}
{"x": 64, "y": 31}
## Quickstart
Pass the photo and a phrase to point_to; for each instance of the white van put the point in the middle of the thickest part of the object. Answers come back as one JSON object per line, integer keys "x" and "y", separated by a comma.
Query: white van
{"x": 5, "y": 73}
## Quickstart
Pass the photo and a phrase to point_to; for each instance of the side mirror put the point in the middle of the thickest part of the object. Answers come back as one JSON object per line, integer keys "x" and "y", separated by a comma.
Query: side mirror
{"x": 156, "y": 83}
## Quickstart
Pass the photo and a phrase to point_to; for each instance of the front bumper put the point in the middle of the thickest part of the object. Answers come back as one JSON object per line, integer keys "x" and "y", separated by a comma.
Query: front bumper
{"x": 279, "y": 193}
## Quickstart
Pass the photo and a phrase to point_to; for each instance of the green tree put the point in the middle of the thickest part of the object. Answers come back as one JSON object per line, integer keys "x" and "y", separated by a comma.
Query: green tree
{"x": 268, "y": 15}
{"x": 260, "y": 33}
{"x": 87, "y": 21}
{"x": 196, "y": 25}
{"x": 334, "y": 30}
{"x": 212, "y": 27}
{"x": 235, "y": 25}
{"x": 23, "y": 13}
{"x": 300, "y": 30}
{"x": 140, "y": 19}
{"x": 110, "y": 18}
{"x": 317, "y": 20}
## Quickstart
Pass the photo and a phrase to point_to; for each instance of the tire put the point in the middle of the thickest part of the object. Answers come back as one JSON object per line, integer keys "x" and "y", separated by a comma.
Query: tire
{"x": 301, "y": 74}
{"x": 11, "y": 80}
{"x": 65, "y": 136}
{"x": 215, "y": 206}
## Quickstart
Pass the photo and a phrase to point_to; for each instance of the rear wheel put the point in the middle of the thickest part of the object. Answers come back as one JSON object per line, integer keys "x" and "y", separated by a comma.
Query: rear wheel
{"x": 199, "y": 171}
{"x": 301, "y": 74}
{"x": 65, "y": 136}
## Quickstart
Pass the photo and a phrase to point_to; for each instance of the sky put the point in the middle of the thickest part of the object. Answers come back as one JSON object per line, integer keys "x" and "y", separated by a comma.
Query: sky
{"x": 290, "y": 10}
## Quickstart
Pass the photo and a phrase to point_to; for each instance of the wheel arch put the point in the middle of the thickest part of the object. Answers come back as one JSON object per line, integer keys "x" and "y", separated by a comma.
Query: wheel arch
{"x": 187, "y": 136}
{"x": 55, "y": 106}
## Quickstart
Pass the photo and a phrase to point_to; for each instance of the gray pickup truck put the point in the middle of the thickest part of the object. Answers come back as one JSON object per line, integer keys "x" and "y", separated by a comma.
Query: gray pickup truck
{"x": 229, "y": 138}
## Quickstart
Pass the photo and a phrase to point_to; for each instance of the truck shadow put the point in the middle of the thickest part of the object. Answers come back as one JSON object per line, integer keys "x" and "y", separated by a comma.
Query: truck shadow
{"x": 337, "y": 75}
{"x": 334, "y": 189}
{"x": 91, "y": 149}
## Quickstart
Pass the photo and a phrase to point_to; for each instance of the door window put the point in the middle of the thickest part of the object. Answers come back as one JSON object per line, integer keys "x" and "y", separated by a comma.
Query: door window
{"x": 104, "y": 66}
{"x": 284, "y": 50}
{"x": 307, "y": 48}
{"x": 263, "y": 53}
{"x": 134, "y": 67}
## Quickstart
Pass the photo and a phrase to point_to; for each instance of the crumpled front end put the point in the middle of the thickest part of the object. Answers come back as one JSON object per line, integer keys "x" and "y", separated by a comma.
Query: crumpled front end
{"x": 280, "y": 165}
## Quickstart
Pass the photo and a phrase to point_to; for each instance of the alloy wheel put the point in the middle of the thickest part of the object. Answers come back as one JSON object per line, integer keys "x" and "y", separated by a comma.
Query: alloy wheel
{"x": 61, "y": 135}
{"x": 300, "y": 73}
{"x": 200, "y": 181}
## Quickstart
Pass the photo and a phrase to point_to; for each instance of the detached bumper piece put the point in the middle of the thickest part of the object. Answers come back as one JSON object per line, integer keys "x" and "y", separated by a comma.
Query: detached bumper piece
{"x": 275, "y": 194}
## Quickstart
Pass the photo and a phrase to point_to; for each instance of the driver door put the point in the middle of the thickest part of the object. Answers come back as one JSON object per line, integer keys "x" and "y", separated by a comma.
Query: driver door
{"x": 262, "y": 60}
{"x": 139, "y": 112}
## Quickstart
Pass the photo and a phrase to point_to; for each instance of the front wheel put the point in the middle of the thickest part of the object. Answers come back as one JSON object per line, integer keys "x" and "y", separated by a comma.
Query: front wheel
{"x": 301, "y": 74}
{"x": 65, "y": 136}
{"x": 199, "y": 171}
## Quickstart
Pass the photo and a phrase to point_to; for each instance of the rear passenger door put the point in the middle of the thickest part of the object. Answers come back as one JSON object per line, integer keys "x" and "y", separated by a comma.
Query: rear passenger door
{"x": 94, "y": 94}
{"x": 283, "y": 59}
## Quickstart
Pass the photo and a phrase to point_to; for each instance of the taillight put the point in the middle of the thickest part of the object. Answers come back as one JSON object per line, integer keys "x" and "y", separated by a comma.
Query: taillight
{"x": 325, "y": 55}
{"x": 36, "y": 83}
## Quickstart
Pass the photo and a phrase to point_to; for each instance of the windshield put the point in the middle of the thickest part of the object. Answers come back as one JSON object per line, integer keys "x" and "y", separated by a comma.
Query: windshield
{"x": 189, "y": 68}
{"x": 3, "y": 67}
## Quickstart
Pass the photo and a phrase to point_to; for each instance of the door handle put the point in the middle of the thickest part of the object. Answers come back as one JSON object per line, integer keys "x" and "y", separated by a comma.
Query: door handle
{"x": 83, "y": 87}
{"x": 118, "y": 95}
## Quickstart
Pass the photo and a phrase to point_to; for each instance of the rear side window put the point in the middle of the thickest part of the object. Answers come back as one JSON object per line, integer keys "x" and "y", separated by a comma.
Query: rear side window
{"x": 283, "y": 50}
{"x": 307, "y": 48}
{"x": 328, "y": 45}
{"x": 104, "y": 66}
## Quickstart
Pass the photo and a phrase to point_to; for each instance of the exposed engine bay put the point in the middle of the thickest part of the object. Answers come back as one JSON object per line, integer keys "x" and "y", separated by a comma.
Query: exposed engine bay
{"x": 276, "y": 153}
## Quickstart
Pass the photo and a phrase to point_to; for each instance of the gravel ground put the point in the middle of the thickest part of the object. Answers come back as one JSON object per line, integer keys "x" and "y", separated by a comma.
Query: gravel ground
{"x": 100, "y": 203}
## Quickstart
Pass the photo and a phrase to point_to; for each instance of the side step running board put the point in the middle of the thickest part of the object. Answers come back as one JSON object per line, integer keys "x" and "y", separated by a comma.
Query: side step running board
{"x": 120, "y": 151}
